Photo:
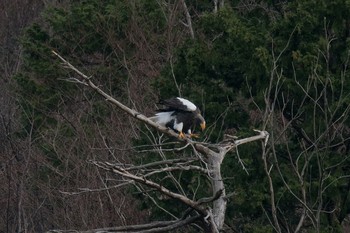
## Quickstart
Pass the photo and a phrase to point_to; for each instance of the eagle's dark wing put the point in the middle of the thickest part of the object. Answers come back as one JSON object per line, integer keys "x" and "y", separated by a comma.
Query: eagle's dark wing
{"x": 178, "y": 104}
{"x": 179, "y": 114}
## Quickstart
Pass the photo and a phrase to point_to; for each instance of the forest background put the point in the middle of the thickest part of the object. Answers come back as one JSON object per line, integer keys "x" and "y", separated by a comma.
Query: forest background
{"x": 279, "y": 66}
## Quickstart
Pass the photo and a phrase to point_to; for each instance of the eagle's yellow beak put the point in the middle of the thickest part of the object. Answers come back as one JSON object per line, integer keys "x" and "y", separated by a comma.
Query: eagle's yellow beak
{"x": 203, "y": 125}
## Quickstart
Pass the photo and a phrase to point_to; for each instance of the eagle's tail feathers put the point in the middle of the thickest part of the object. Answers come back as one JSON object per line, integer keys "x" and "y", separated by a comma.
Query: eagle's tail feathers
{"x": 153, "y": 118}
{"x": 162, "y": 118}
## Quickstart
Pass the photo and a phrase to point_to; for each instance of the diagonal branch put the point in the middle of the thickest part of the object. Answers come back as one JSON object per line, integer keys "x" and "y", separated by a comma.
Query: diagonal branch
{"x": 87, "y": 81}
{"x": 112, "y": 100}
{"x": 142, "y": 180}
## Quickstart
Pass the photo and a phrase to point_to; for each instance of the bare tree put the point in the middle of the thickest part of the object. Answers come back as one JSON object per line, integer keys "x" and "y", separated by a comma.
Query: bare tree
{"x": 14, "y": 161}
{"x": 326, "y": 134}
{"x": 206, "y": 213}
{"x": 218, "y": 4}
{"x": 188, "y": 19}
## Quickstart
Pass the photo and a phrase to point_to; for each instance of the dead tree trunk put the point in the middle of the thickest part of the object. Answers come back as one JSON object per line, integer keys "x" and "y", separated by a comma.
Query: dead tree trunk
{"x": 219, "y": 205}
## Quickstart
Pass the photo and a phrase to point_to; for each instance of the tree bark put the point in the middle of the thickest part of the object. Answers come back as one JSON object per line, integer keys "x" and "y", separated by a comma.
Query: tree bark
{"x": 219, "y": 205}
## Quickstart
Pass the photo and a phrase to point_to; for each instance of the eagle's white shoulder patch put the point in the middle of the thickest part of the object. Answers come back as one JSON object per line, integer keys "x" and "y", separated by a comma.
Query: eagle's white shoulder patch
{"x": 190, "y": 106}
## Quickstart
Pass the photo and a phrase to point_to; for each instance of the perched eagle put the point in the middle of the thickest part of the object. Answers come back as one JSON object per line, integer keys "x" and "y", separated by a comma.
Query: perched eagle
{"x": 180, "y": 115}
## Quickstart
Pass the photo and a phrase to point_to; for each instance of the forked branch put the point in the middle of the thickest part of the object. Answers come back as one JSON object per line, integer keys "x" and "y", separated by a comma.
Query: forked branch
{"x": 212, "y": 220}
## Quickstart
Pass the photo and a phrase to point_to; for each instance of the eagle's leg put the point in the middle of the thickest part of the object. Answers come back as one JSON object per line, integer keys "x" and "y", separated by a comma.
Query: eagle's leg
{"x": 182, "y": 135}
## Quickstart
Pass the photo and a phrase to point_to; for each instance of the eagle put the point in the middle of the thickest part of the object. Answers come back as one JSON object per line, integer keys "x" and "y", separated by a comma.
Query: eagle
{"x": 180, "y": 115}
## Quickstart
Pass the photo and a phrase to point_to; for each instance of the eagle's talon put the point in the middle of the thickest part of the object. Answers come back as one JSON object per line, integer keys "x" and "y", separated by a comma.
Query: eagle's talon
{"x": 182, "y": 135}
{"x": 194, "y": 135}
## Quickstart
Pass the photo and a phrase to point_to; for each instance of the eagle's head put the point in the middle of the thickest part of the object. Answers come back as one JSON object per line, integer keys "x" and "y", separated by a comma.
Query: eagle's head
{"x": 200, "y": 119}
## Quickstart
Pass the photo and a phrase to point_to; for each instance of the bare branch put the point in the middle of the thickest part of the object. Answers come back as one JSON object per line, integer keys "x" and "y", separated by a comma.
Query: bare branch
{"x": 163, "y": 226}
{"x": 142, "y": 180}
{"x": 163, "y": 162}
{"x": 188, "y": 18}
{"x": 87, "y": 190}
{"x": 176, "y": 168}
{"x": 112, "y": 100}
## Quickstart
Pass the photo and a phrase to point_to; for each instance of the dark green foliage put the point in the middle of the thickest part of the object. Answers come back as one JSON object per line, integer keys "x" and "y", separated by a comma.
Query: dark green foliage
{"x": 233, "y": 59}
{"x": 299, "y": 50}
{"x": 213, "y": 71}
{"x": 80, "y": 33}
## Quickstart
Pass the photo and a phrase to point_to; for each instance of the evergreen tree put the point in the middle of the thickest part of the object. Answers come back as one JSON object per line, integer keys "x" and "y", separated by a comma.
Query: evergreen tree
{"x": 279, "y": 66}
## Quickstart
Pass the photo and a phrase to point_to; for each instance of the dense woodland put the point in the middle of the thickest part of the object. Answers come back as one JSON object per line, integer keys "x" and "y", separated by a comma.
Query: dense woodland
{"x": 274, "y": 65}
